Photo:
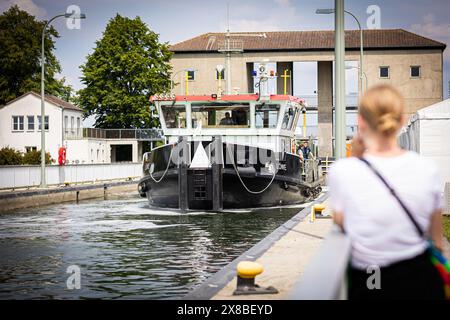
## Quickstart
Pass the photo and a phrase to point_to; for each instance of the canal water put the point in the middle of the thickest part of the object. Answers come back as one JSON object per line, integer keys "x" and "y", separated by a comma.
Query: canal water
{"x": 122, "y": 248}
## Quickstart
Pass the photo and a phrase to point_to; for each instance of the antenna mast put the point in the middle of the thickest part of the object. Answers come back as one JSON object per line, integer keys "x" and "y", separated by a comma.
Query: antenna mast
{"x": 229, "y": 46}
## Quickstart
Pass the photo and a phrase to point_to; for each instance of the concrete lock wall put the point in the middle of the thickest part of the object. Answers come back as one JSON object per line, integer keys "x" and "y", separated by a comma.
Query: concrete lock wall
{"x": 29, "y": 176}
{"x": 418, "y": 92}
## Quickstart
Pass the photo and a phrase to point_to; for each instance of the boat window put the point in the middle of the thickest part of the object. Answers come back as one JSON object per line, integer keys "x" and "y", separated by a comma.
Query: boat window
{"x": 266, "y": 115}
{"x": 219, "y": 115}
{"x": 288, "y": 119}
{"x": 174, "y": 116}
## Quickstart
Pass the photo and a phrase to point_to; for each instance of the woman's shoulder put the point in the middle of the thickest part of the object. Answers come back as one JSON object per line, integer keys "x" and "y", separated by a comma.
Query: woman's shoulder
{"x": 409, "y": 159}
{"x": 418, "y": 162}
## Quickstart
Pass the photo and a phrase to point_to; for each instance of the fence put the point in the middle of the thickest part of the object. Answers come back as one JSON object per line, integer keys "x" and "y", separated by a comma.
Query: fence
{"x": 30, "y": 176}
{"x": 138, "y": 134}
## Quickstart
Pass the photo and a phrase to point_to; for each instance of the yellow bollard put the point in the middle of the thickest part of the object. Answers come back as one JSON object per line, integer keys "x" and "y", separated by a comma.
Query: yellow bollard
{"x": 316, "y": 209}
{"x": 246, "y": 273}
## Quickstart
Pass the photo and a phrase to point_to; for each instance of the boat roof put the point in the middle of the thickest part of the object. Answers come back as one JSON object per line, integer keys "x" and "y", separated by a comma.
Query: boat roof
{"x": 231, "y": 97}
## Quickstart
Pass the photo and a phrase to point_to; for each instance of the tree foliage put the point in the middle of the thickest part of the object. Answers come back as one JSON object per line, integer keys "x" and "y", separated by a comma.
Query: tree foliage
{"x": 34, "y": 157}
{"x": 20, "y": 56}
{"x": 127, "y": 66}
{"x": 10, "y": 156}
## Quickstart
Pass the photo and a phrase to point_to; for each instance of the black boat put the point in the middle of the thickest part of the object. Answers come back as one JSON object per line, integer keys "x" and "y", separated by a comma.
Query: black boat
{"x": 230, "y": 151}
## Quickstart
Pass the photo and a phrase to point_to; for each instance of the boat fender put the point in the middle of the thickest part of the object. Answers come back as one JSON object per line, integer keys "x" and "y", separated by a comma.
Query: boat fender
{"x": 142, "y": 189}
{"x": 248, "y": 172}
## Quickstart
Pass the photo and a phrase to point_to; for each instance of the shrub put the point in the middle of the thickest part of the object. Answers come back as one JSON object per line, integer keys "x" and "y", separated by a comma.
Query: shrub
{"x": 34, "y": 157}
{"x": 10, "y": 156}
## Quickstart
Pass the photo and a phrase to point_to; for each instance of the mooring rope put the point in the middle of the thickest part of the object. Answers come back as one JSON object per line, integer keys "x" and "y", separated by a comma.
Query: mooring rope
{"x": 165, "y": 171}
{"x": 242, "y": 182}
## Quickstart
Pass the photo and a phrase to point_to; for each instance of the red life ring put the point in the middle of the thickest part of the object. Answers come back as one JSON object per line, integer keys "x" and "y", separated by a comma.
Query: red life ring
{"x": 62, "y": 156}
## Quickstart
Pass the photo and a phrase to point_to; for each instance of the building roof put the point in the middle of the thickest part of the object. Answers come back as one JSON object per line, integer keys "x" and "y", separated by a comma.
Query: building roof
{"x": 50, "y": 99}
{"x": 374, "y": 39}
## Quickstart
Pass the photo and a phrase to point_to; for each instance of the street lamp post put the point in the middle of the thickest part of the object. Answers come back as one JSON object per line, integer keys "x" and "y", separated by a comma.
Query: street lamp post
{"x": 364, "y": 74}
{"x": 339, "y": 53}
{"x": 361, "y": 43}
{"x": 65, "y": 15}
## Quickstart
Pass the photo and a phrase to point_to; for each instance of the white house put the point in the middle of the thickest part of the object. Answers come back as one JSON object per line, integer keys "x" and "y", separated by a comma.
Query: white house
{"x": 20, "y": 123}
{"x": 20, "y": 128}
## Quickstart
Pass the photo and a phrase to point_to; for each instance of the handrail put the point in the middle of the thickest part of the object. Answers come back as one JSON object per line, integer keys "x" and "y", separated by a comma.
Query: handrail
{"x": 325, "y": 277}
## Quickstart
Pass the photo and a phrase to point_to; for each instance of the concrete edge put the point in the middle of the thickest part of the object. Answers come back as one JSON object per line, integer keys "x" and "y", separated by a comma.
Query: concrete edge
{"x": 30, "y": 193}
{"x": 221, "y": 278}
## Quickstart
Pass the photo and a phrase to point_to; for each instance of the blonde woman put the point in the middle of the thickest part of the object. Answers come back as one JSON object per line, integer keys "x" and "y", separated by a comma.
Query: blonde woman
{"x": 382, "y": 234}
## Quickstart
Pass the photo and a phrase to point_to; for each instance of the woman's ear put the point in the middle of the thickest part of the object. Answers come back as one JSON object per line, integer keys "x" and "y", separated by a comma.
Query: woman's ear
{"x": 362, "y": 124}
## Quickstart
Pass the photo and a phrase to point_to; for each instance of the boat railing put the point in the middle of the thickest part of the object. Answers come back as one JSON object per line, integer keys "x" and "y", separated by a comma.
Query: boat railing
{"x": 332, "y": 260}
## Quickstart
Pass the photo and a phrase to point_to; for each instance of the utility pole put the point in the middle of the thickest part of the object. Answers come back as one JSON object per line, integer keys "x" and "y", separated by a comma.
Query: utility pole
{"x": 339, "y": 54}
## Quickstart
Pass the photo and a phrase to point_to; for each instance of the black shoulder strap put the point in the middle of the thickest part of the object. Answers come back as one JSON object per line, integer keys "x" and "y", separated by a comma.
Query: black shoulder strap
{"x": 394, "y": 194}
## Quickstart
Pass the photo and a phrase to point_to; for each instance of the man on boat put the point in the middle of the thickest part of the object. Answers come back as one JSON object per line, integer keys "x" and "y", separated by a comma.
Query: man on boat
{"x": 227, "y": 121}
{"x": 306, "y": 150}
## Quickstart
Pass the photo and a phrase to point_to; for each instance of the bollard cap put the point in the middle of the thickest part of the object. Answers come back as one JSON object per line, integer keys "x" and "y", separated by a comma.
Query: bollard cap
{"x": 248, "y": 269}
{"x": 319, "y": 207}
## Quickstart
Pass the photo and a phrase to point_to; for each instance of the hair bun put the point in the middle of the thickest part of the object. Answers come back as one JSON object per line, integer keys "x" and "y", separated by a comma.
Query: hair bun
{"x": 388, "y": 124}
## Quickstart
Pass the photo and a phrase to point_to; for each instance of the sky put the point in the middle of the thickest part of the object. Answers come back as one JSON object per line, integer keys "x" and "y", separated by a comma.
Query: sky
{"x": 178, "y": 20}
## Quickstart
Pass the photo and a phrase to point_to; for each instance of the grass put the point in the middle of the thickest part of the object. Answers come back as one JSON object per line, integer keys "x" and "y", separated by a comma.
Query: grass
{"x": 446, "y": 223}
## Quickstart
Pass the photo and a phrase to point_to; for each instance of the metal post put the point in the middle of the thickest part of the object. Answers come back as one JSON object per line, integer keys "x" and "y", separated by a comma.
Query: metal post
{"x": 339, "y": 52}
{"x": 182, "y": 175}
{"x": 216, "y": 167}
{"x": 361, "y": 54}
{"x": 304, "y": 123}
{"x": 43, "y": 182}
{"x": 66, "y": 15}
{"x": 228, "y": 64}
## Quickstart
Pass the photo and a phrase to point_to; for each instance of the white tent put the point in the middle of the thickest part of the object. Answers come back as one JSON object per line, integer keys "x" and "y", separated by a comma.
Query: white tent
{"x": 428, "y": 133}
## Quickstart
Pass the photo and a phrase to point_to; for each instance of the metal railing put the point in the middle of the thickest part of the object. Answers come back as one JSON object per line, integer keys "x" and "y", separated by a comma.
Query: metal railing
{"x": 135, "y": 134}
{"x": 325, "y": 277}
{"x": 29, "y": 176}
{"x": 231, "y": 45}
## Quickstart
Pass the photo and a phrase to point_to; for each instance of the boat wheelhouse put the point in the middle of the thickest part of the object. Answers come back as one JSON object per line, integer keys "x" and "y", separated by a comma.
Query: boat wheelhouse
{"x": 228, "y": 151}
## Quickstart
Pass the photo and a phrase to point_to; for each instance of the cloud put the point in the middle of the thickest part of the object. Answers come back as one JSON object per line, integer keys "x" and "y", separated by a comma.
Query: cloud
{"x": 283, "y": 2}
{"x": 435, "y": 30}
{"x": 26, "y": 5}
{"x": 245, "y": 17}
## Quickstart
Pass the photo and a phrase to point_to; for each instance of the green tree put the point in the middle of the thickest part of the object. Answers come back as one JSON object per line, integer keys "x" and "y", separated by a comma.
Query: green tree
{"x": 20, "y": 56}
{"x": 127, "y": 66}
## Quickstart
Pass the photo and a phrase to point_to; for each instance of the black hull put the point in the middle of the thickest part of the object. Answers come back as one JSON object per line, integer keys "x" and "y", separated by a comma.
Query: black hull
{"x": 287, "y": 188}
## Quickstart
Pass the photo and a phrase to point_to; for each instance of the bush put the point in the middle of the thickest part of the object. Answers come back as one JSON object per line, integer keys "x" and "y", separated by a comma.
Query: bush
{"x": 34, "y": 157}
{"x": 10, "y": 156}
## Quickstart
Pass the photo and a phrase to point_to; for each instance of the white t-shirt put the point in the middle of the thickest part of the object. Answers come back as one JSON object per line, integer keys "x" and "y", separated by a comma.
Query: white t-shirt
{"x": 380, "y": 231}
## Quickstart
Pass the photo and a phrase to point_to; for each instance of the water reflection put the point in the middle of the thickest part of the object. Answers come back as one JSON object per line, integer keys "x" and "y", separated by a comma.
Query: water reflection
{"x": 124, "y": 248}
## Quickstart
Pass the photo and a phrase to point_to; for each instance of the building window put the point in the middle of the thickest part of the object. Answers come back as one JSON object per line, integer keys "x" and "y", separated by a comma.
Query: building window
{"x": 46, "y": 124}
{"x": 66, "y": 124}
{"x": 222, "y": 74}
{"x": 78, "y": 126}
{"x": 191, "y": 75}
{"x": 72, "y": 124}
{"x": 384, "y": 72}
{"x": 17, "y": 123}
{"x": 415, "y": 71}
{"x": 29, "y": 149}
{"x": 266, "y": 115}
{"x": 30, "y": 120}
